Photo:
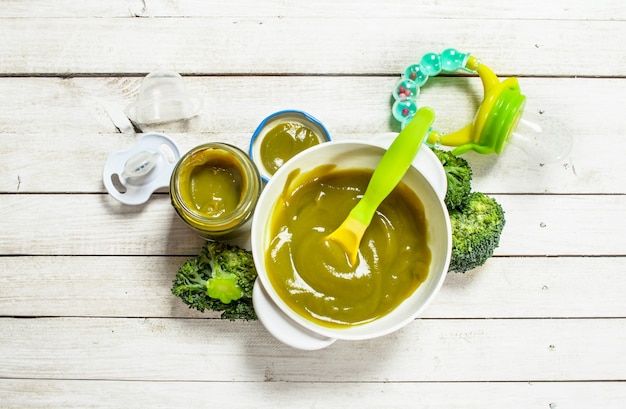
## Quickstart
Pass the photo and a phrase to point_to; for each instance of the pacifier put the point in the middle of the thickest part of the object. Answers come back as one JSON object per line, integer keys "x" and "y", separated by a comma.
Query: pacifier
{"x": 132, "y": 176}
{"x": 163, "y": 98}
{"x": 500, "y": 119}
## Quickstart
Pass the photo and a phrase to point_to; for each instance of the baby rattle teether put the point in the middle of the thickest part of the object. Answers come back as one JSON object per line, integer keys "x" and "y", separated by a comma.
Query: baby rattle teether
{"x": 499, "y": 120}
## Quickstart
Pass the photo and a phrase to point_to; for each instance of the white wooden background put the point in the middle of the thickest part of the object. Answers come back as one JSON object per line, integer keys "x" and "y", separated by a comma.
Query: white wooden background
{"x": 86, "y": 315}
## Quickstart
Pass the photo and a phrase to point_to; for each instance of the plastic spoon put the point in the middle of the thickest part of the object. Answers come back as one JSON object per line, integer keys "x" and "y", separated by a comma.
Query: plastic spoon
{"x": 389, "y": 171}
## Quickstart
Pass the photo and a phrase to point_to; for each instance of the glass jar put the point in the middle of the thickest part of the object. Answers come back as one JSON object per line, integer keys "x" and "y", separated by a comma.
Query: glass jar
{"x": 214, "y": 189}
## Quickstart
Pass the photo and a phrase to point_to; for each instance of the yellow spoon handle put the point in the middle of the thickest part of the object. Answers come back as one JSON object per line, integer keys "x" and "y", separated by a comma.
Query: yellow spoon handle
{"x": 393, "y": 165}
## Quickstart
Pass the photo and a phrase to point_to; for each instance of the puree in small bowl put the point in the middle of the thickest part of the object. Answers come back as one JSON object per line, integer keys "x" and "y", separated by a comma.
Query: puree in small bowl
{"x": 314, "y": 278}
{"x": 281, "y": 136}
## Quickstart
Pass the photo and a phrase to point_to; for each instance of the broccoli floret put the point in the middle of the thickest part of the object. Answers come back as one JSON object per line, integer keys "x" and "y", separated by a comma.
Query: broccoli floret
{"x": 459, "y": 176}
{"x": 477, "y": 220}
{"x": 476, "y": 230}
{"x": 220, "y": 278}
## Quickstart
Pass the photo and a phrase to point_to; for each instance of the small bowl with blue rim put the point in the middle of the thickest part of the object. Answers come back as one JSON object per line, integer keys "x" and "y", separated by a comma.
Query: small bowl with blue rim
{"x": 281, "y": 136}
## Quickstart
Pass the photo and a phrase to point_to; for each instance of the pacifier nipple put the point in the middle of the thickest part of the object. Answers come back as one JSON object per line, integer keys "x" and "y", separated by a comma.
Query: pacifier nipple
{"x": 132, "y": 176}
{"x": 543, "y": 138}
{"x": 140, "y": 165}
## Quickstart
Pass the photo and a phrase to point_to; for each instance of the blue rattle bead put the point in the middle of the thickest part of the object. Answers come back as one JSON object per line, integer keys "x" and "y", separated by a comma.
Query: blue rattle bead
{"x": 406, "y": 89}
{"x": 432, "y": 64}
{"x": 452, "y": 60}
{"x": 403, "y": 109}
{"x": 417, "y": 74}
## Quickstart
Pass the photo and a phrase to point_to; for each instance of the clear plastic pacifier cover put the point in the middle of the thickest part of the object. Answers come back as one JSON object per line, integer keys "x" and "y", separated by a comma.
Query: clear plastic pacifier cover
{"x": 132, "y": 176}
{"x": 163, "y": 97}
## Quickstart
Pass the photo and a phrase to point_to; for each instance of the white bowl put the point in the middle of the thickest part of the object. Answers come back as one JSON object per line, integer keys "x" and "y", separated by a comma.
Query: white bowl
{"x": 294, "y": 329}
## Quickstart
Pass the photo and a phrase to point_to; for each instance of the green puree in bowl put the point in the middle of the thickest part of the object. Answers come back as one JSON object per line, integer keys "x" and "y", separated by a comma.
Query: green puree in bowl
{"x": 313, "y": 275}
{"x": 284, "y": 141}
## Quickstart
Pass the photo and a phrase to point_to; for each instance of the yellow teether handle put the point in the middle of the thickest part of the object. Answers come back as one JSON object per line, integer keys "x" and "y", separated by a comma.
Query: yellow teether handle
{"x": 472, "y": 131}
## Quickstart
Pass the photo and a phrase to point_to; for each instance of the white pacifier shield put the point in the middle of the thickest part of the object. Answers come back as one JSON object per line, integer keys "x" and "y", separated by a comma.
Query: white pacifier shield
{"x": 132, "y": 176}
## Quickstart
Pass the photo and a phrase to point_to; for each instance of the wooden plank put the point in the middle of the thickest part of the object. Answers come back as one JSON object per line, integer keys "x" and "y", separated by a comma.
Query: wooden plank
{"x": 589, "y": 169}
{"x": 38, "y": 8}
{"x": 563, "y": 225}
{"x": 92, "y": 286}
{"x": 48, "y": 394}
{"x": 47, "y": 119}
{"x": 505, "y": 287}
{"x": 346, "y": 105}
{"x": 138, "y": 46}
{"x": 479, "y": 9}
{"x": 520, "y": 287}
{"x": 425, "y": 350}
{"x": 543, "y": 225}
{"x": 80, "y": 220}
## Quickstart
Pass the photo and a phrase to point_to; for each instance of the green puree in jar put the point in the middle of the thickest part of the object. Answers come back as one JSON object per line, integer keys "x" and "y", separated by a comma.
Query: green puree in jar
{"x": 283, "y": 142}
{"x": 313, "y": 276}
{"x": 212, "y": 183}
